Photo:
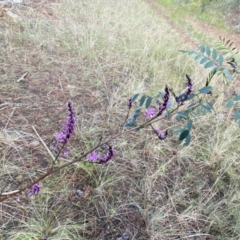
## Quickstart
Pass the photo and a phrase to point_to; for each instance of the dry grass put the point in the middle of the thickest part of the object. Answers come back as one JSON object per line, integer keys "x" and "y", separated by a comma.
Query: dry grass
{"x": 98, "y": 54}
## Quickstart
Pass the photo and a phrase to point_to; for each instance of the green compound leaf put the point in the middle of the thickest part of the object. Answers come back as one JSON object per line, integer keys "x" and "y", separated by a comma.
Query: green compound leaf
{"x": 204, "y": 60}
{"x": 177, "y": 131}
{"x": 230, "y": 103}
{"x": 170, "y": 104}
{"x": 135, "y": 97}
{"x": 236, "y": 98}
{"x": 207, "y": 107}
{"x": 191, "y": 52}
{"x": 193, "y": 104}
{"x": 132, "y": 121}
{"x": 142, "y": 100}
{"x": 188, "y": 140}
{"x": 181, "y": 115}
{"x": 209, "y": 64}
{"x": 210, "y": 106}
{"x": 183, "y": 135}
{"x": 208, "y": 51}
{"x": 202, "y": 48}
{"x": 148, "y": 102}
{"x": 220, "y": 59}
{"x": 198, "y": 56}
{"x": 205, "y": 90}
{"x": 227, "y": 74}
{"x": 189, "y": 124}
{"x": 236, "y": 116}
{"x": 160, "y": 94}
{"x": 168, "y": 114}
{"x": 191, "y": 96}
{"x": 214, "y": 54}
{"x": 214, "y": 70}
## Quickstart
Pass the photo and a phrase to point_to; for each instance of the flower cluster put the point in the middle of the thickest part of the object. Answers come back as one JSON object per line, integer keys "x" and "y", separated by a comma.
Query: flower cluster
{"x": 95, "y": 156}
{"x": 161, "y": 135}
{"x": 164, "y": 105}
{"x": 34, "y": 189}
{"x": 183, "y": 97}
{"x": 68, "y": 127}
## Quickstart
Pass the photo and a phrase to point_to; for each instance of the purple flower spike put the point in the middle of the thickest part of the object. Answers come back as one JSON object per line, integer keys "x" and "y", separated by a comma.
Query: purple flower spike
{"x": 189, "y": 85}
{"x": 164, "y": 105}
{"x": 151, "y": 112}
{"x": 108, "y": 156}
{"x": 129, "y": 103}
{"x": 93, "y": 156}
{"x": 161, "y": 135}
{"x": 34, "y": 189}
{"x": 189, "y": 91}
{"x": 68, "y": 127}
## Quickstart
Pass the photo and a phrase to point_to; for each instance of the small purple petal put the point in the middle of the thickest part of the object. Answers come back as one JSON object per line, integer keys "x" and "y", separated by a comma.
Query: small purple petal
{"x": 66, "y": 153}
{"x": 161, "y": 135}
{"x": 151, "y": 112}
{"x": 34, "y": 189}
{"x": 60, "y": 137}
{"x": 93, "y": 156}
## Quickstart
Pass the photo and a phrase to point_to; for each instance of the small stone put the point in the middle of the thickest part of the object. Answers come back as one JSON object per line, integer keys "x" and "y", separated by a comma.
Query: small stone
{"x": 80, "y": 193}
{"x": 125, "y": 236}
{"x": 34, "y": 143}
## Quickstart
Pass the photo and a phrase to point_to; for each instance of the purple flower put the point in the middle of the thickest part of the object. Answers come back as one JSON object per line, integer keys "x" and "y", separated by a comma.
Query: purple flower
{"x": 108, "y": 156}
{"x": 129, "y": 103}
{"x": 93, "y": 156}
{"x": 68, "y": 127}
{"x": 34, "y": 189}
{"x": 65, "y": 153}
{"x": 164, "y": 105}
{"x": 161, "y": 135}
{"x": 189, "y": 85}
{"x": 151, "y": 112}
{"x": 183, "y": 97}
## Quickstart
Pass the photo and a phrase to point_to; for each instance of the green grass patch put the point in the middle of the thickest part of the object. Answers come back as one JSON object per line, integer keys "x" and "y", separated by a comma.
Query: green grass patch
{"x": 194, "y": 9}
